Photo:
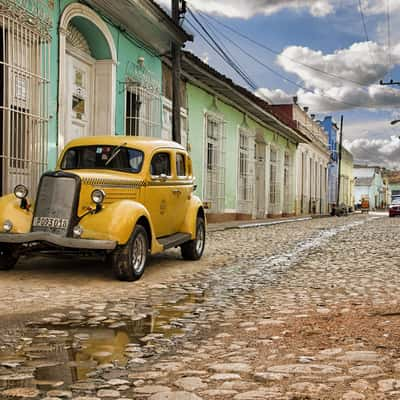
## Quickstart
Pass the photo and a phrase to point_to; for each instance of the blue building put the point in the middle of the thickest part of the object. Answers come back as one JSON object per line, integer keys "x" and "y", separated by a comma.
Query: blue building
{"x": 331, "y": 129}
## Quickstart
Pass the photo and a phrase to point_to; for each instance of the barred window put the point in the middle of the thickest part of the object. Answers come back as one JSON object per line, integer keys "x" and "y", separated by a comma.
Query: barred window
{"x": 142, "y": 111}
{"x": 273, "y": 177}
{"x": 246, "y": 171}
{"x": 24, "y": 90}
{"x": 215, "y": 163}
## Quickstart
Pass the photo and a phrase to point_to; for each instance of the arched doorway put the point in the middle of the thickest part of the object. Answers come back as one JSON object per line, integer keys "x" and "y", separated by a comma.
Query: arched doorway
{"x": 87, "y": 75}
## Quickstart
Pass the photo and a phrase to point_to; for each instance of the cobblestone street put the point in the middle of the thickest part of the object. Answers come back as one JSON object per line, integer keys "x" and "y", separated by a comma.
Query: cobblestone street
{"x": 304, "y": 310}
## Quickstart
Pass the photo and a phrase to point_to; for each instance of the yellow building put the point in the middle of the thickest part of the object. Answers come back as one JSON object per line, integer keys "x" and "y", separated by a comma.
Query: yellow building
{"x": 347, "y": 180}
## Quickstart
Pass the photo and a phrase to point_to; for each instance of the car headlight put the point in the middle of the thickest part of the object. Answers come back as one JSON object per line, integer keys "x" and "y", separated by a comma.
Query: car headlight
{"x": 98, "y": 196}
{"x": 77, "y": 231}
{"x": 21, "y": 191}
{"x": 7, "y": 225}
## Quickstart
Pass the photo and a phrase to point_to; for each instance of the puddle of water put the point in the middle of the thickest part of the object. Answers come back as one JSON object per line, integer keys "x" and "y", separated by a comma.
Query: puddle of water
{"x": 65, "y": 353}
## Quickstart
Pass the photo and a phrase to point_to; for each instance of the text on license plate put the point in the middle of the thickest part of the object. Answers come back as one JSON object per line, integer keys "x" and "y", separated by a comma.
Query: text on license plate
{"x": 51, "y": 222}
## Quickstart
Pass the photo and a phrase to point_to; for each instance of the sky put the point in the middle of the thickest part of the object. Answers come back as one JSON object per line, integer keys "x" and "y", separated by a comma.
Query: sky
{"x": 331, "y": 54}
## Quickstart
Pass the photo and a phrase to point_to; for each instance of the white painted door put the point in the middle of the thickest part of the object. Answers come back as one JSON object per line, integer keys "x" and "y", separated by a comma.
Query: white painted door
{"x": 80, "y": 100}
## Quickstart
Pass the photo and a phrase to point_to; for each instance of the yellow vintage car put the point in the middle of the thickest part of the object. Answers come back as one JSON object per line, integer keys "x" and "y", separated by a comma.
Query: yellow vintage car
{"x": 123, "y": 197}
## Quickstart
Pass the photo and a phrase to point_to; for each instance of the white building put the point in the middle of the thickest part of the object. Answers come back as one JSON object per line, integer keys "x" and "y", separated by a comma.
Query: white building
{"x": 312, "y": 160}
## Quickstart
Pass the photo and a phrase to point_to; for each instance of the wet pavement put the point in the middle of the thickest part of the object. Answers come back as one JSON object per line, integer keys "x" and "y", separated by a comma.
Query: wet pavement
{"x": 309, "y": 310}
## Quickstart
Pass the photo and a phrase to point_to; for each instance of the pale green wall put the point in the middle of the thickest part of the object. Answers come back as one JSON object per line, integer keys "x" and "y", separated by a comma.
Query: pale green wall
{"x": 128, "y": 50}
{"x": 200, "y": 102}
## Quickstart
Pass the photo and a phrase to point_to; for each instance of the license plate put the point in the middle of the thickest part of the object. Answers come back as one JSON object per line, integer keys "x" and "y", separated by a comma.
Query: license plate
{"x": 50, "y": 222}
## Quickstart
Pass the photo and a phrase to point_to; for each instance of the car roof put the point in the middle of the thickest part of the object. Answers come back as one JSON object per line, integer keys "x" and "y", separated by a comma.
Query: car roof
{"x": 140, "y": 142}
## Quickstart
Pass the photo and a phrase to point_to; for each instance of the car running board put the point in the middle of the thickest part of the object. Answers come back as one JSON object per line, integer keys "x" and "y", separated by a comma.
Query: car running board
{"x": 174, "y": 240}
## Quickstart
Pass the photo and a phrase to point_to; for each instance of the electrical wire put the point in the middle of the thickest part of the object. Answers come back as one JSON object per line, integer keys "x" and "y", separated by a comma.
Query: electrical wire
{"x": 365, "y": 29}
{"x": 219, "y": 49}
{"x": 276, "y": 52}
{"x": 389, "y": 45}
{"x": 283, "y": 77}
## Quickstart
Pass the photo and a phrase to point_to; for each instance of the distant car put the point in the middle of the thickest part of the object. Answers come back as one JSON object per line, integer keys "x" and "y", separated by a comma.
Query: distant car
{"x": 123, "y": 197}
{"x": 394, "y": 208}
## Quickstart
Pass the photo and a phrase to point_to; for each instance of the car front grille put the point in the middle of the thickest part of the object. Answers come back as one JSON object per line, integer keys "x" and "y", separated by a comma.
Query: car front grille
{"x": 56, "y": 203}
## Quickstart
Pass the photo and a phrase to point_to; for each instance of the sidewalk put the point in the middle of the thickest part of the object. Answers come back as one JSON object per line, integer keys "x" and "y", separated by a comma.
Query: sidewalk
{"x": 252, "y": 223}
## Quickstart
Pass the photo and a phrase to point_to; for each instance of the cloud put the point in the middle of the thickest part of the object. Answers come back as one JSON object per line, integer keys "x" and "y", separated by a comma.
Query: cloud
{"x": 349, "y": 78}
{"x": 376, "y": 7}
{"x": 362, "y": 63}
{"x": 249, "y": 8}
{"x": 274, "y": 96}
{"x": 383, "y": 152}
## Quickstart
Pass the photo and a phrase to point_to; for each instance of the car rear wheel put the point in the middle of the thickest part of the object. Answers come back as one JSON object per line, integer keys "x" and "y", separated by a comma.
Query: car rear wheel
{"x": 7, "y": 258}
{"x": 128, "y": 262}
{"x": 193, "y": 249}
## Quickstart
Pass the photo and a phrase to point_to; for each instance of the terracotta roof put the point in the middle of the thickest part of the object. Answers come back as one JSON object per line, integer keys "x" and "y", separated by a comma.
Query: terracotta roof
{"x": 264, "y": 105}
{"x": 394, "y": 177}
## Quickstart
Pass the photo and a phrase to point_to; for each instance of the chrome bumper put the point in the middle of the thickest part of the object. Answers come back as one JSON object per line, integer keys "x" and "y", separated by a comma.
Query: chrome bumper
{"x": 60, "y": 241}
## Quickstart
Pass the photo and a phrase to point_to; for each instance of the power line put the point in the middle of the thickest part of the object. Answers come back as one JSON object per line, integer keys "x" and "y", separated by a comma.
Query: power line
{"x": 276, "y": 52}
{"x": 242, "y": 75}
{"x": 227, "y": 55}
{"x": 219, "y": 49}
{"x": 365, "y": 29}
{"x": 224, "y": 56}
{"x": 281, "y": 75}
{"x": 389, "y": 33}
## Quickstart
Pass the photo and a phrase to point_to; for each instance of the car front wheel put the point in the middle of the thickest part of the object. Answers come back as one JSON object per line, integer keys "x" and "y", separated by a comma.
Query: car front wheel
{"x": 128, "y": 262}
{"x": 7, "y": 258}
{"x": 193, "y": 249}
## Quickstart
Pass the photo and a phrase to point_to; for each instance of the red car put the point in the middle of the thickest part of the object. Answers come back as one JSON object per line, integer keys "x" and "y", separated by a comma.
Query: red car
{"x": 394, "y": 208}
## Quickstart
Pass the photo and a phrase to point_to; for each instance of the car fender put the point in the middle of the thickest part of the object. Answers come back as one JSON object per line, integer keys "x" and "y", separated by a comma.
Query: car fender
{"x": 189, "y": 224}
{"x": 10, "y": 209}
{"x": 116, "y": 221}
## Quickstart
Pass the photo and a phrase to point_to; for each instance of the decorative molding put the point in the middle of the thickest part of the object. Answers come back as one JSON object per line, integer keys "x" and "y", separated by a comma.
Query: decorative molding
{"x": 80, "y": 10}
{"x": 76, "y": 39}
{"x": 138, "y": 74}
{"x": 35, "y": 14}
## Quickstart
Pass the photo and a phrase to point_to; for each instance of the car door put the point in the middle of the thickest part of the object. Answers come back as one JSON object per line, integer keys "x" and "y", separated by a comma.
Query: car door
{"x": 159, "y": 199}
{"x": 182, "y": 189}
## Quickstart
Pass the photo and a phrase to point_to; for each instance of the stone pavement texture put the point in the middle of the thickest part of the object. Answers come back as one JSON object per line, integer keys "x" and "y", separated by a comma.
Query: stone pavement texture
{"x": 306, "y": 310}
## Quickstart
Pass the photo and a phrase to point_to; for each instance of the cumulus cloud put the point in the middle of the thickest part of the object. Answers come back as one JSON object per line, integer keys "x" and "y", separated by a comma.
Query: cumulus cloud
{"x": 383, "y": 152}
{"x": 274, "y": 96}
{"x": 249, "y": 8}
{"x": 362, "y": 63}
{"x": 349, "y": 78}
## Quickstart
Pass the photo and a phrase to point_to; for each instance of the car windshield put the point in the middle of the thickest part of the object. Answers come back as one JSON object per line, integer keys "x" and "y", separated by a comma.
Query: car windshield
{"x": 103, "y": 157}
{"x": 396, "y": 201}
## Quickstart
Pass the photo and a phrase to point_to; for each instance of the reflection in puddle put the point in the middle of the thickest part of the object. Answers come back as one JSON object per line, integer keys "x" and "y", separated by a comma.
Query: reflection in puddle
{"x": 59, "y": 353}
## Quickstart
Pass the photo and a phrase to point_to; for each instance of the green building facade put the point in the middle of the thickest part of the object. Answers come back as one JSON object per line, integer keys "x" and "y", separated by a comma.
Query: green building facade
{"x": 243, "y": 156}
{"x": 73, "y": 69}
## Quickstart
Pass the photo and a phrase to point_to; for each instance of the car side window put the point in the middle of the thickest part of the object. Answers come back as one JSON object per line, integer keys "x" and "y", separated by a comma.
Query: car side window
{"x": 180, "y": 165}
{"x": 161, "y": 164}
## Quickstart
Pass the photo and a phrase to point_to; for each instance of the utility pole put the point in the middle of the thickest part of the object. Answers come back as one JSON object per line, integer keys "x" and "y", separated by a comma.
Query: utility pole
{"x": 340, "y": 164}
{"x": 176, "y": 77}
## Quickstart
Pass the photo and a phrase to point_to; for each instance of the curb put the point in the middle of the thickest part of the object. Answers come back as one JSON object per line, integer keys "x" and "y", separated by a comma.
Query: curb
{"x": 257, "y": 224}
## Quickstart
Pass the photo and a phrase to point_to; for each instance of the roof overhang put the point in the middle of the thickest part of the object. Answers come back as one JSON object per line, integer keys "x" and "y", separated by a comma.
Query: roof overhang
{"x": 212, "y": 81}
{"x": 145, "y": 20}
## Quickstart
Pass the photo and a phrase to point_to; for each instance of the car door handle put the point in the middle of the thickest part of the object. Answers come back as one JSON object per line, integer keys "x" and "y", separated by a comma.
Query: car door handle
{"x": 176, "y": 191}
